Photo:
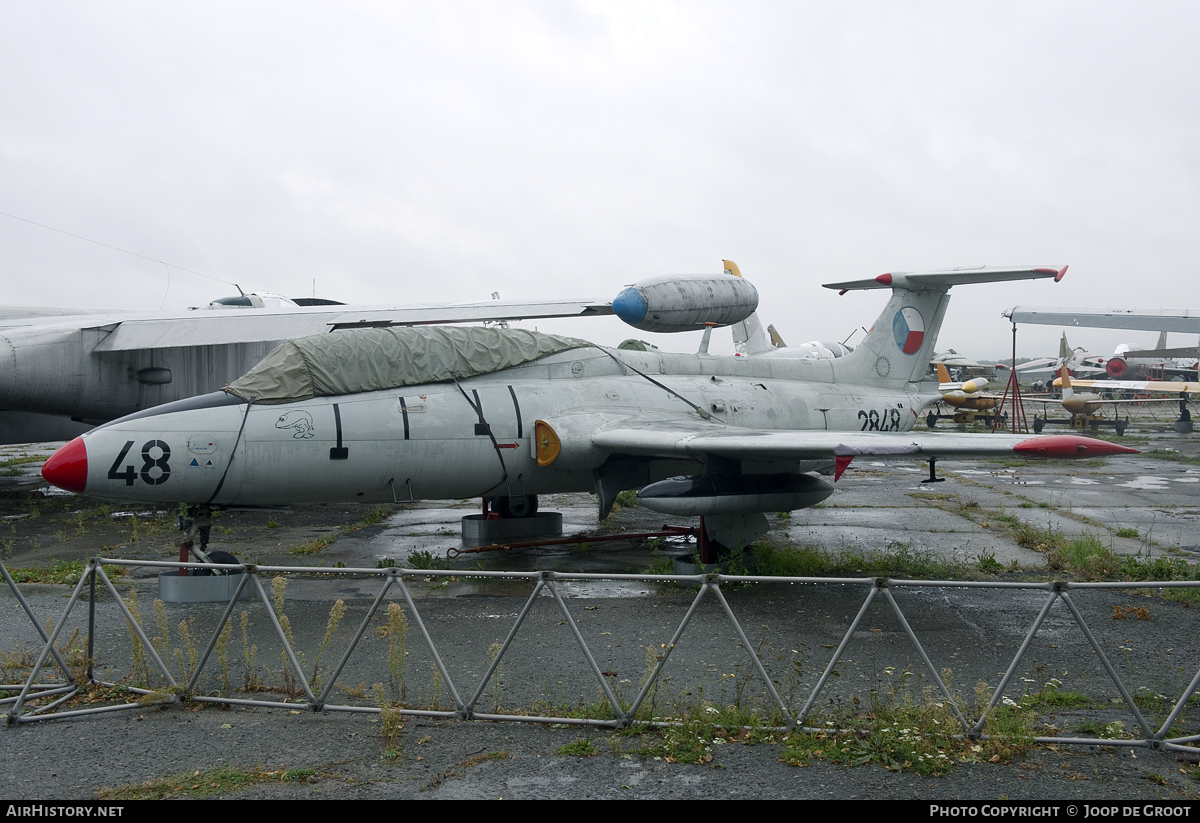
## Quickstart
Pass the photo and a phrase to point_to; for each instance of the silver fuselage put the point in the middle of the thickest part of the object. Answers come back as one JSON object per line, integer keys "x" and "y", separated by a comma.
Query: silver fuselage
{"x": 429, "y": 442}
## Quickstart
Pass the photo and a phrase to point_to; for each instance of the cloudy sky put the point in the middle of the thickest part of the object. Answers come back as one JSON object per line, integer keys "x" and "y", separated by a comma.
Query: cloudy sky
{"x": 425, "y": 152}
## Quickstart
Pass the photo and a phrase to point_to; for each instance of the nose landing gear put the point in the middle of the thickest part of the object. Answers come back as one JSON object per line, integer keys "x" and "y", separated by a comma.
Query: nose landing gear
{"x": 197, "y": 525}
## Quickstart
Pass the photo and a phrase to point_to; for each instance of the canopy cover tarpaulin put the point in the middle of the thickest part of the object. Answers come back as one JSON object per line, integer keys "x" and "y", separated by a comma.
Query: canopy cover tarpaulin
{"x": 362, "y": 360}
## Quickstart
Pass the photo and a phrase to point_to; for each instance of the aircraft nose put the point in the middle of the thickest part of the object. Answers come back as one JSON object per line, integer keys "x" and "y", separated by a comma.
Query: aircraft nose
{"x": 67, "y": 467}
{"x": 630, "y": 306}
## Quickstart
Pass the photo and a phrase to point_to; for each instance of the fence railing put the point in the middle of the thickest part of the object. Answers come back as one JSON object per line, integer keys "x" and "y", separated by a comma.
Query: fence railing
{"x": 466, "y": 700}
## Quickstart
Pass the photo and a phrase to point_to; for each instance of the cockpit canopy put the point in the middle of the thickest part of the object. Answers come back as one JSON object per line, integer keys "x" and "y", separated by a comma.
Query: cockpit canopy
{"x": 362, "y": 360}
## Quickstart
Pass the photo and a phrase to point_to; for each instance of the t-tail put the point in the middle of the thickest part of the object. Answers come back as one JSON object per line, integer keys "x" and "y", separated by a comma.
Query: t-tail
{"x": 896, "y": 351}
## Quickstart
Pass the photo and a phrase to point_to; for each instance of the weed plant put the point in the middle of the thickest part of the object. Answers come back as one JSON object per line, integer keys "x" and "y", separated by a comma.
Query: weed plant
{"x": 397, "y": 635}
{"x": 335, "y": 617}
{"x": 253, "y": 683}
{"x": 139, "y": 672}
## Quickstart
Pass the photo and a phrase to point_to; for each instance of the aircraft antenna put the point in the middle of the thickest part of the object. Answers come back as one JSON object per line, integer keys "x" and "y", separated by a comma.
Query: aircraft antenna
{"x": 110, "y": 246}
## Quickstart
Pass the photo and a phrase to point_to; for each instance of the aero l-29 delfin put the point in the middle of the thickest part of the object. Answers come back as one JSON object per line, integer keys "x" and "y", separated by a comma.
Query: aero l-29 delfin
{"x": 382, "y": 415}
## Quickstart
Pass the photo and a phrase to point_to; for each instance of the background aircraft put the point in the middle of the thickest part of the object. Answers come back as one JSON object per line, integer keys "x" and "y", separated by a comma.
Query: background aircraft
{"x": 1077, "y": 361}
{"x": 1163, "y": 320}
{"x": 508, "y": 414}
{"x": 1084, "y": 407}
{"x": 1159, "y": 363}
{"x": 968, "y": 399}
{"x": 60, "y": 374}
{"x": 960, "y": 367}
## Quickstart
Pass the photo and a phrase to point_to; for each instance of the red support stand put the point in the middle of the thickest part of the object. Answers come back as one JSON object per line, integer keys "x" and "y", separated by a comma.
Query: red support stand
{"x": 702, "y": 545}
{"x": 1017, "y": 417}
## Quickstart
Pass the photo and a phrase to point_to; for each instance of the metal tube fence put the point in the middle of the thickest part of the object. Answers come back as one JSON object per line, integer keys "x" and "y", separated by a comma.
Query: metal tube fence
{"x": 313, "y": 695}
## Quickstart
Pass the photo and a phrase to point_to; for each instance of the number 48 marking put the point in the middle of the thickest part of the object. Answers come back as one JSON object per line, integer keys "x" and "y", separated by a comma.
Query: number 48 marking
{"x": 148, "y": 462}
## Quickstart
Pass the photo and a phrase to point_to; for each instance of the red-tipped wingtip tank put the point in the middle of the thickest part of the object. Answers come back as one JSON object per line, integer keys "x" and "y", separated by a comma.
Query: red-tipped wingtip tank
{"x": 67, "y": 467}
{"x": 1070, "y": 445}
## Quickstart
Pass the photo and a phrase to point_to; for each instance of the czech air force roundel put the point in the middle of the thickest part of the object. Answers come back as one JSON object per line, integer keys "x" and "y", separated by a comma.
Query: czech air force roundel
{"x": 909, "y": 329}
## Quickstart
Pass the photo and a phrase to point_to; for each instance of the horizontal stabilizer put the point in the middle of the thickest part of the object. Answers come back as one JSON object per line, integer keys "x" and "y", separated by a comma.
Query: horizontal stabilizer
{"x": 945, "y": 278}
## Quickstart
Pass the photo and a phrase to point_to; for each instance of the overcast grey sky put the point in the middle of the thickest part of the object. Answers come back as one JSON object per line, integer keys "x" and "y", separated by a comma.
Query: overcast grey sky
{"x": 425, "y": 152}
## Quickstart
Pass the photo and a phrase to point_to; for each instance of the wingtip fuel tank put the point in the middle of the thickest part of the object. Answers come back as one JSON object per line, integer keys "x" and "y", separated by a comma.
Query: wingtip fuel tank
{"x": 677, "y": 303}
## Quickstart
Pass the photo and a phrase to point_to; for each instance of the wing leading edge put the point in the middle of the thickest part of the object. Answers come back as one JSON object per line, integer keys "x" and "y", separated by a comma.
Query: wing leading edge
{"x": 657, "y": 440}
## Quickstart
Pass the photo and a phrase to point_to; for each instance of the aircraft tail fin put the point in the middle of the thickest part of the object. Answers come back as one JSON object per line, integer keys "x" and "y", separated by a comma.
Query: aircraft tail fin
{"x": 776, "y": 338}
{"x": 1067, "y": 391}
{"x": 943, "y": 374}
{"x": 897, "y": 349}
{"x": 748, "y": 335}
{"x": 1065, "y": 353}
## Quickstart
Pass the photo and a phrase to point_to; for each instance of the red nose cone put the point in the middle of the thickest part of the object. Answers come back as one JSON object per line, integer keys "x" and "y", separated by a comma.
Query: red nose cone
{"x": 1069, "y": 445}
{"x": 67, "y": 467}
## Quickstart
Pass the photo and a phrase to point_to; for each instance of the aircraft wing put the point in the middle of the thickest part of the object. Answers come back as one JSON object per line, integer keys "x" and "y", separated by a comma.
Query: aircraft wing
{"x": 1169, "y": 320}
{"x": 1165, "y": 386}
{"x": 695, "y": 441}
{"x": 250, "y": 326}
{"x": 1164, "y": 354}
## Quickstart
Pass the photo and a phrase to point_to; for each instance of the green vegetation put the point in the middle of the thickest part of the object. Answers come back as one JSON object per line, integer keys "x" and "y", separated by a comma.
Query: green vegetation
{"x": 626, "y": 499}
{"x": 988, "y": 564}
{"x": 59, "y": 571}
{"x": 12, "y": 466}
{"x": 427, "y": 560}
{"x": 1171, "y": 454}
{"x": 904, "y": 731}
{"x": 222, "y": 780}
{"x": 315, "y": 545}
{"x": 583, "y": 747}
{"x": 896, "y": 560}
{"x": 372, "y": 518}
{"x": 1088, "y": 558}
{"x": 1042, "y": 540}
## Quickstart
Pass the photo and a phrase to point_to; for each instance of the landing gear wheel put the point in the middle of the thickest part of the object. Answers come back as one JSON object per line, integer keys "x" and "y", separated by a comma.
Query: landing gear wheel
{"x": 931, "y": 420}
{"x": 1038, "y": 425}
{"x": 1120, "y": 427}
{"x": 218, "y": 557}
{"x": 515, "y": 507}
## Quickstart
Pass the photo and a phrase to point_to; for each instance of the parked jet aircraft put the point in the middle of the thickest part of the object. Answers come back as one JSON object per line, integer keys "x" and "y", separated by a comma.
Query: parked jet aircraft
{"x": 968, "y": 399}
{"x": 1084, "y": 407}
{"x": 1158, "y": 363}
{"x": 960, "y": 367}
{"x": 1078, "y": 361}
{"x": 1165, "y": 320}
{"x": 92, "y": 367}
{"x": 426, "y": 413}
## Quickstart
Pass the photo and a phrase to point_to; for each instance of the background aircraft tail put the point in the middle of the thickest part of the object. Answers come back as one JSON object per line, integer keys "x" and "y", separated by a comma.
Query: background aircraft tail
{"x": 897, "y": 349}
{"x": 748, "y": 335}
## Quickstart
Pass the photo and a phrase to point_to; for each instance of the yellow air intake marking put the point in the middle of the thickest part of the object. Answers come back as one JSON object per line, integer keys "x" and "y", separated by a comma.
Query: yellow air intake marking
{"x": 548, "y": 445}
